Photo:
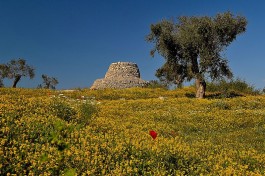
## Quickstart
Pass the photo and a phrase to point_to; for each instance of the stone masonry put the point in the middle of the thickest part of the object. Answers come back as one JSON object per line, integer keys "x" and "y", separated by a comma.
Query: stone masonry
{"x": 120, "y": 75}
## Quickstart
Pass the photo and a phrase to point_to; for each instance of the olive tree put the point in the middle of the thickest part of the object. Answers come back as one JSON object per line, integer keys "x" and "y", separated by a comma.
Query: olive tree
{"x": 49, "y": 82}
{"x": 16, "y": 69}
{"x": 193, "y": 47}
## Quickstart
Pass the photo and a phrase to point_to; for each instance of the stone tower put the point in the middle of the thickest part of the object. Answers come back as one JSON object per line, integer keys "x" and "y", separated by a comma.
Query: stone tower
{"x": 120, "y": 75}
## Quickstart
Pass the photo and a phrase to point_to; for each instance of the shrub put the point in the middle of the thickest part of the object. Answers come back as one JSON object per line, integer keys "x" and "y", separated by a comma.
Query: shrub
{"x": 232, "y": 87}
{"x": 86, "y": 112}
{"x": 76, "y": 111}
{"x": 222, "y": 105}
{"x": 62, "y": 110}
{"x": 157, "y": 84}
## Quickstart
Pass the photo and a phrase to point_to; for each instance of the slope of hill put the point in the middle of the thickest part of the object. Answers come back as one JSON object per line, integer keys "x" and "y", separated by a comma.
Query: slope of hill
{"x": 106, "y": 132}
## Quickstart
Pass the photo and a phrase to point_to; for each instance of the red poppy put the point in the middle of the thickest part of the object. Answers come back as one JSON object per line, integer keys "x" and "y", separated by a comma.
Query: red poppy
{"x": 153, "y": 134}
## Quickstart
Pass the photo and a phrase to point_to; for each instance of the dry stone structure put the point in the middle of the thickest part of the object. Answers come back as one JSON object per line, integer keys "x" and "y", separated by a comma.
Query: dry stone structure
{"x": 120, "y": 75}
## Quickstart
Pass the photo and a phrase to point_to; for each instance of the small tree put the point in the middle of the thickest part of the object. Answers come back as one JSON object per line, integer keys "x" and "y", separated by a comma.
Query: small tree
{"x": 49, "y": 82}
{"x": 193, "y": 47}
{"x": 16, "y": 69}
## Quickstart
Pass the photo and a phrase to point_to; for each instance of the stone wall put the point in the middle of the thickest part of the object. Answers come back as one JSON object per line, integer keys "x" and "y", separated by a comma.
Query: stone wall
{"x": 123, "y": 69}
{"x": 120, "y": 75}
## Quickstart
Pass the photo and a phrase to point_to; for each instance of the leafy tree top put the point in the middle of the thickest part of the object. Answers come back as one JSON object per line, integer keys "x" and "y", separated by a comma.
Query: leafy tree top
{"x": 19, "y": 68}
{"x": 16, "y": 69}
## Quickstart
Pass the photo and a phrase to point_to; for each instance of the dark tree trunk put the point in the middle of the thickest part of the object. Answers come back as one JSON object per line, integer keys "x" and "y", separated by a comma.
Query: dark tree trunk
{"x": 48, "y": 86}
{"x": 1, "y": 83}
{"x": 200, "y": 88}
{"x": 17, "y": 79}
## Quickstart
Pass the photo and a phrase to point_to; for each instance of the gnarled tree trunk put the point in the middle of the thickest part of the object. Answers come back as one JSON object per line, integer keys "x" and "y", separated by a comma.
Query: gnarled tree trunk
{"x": 17, "y": 79}
{"x": 200, "y": 88}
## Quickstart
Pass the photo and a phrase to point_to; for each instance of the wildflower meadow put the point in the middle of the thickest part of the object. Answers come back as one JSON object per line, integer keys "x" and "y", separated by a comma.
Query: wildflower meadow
{"x": 137, "y": 131}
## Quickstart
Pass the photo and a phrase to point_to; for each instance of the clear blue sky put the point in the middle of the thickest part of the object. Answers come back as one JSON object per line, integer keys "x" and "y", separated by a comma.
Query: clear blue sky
{"x": 76, "y": 40}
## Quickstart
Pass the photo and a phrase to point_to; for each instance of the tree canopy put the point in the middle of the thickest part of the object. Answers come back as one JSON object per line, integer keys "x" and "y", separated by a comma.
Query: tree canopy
{"x": 193, "y": 47}
{"x": 3, "y": 73}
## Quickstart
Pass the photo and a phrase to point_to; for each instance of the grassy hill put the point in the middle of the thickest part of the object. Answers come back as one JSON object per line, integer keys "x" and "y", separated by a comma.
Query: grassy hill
{"x": 106, "y": 132}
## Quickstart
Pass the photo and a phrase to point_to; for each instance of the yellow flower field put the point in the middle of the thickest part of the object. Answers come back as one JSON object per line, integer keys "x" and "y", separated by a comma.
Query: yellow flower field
{"x": 106, "y": 132}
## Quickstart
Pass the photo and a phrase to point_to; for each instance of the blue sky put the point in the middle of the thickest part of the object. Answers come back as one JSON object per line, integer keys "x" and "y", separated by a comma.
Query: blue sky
{"x": 76, "y": 41}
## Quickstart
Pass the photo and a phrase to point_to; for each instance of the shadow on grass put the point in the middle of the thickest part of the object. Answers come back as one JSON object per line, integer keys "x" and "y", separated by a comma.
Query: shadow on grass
{"x": 190, "y": 95}
{"x": 218, "y": 95}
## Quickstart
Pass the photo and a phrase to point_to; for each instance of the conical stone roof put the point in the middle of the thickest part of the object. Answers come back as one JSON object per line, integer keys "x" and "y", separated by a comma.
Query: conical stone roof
{"x": 120, "y": 75}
